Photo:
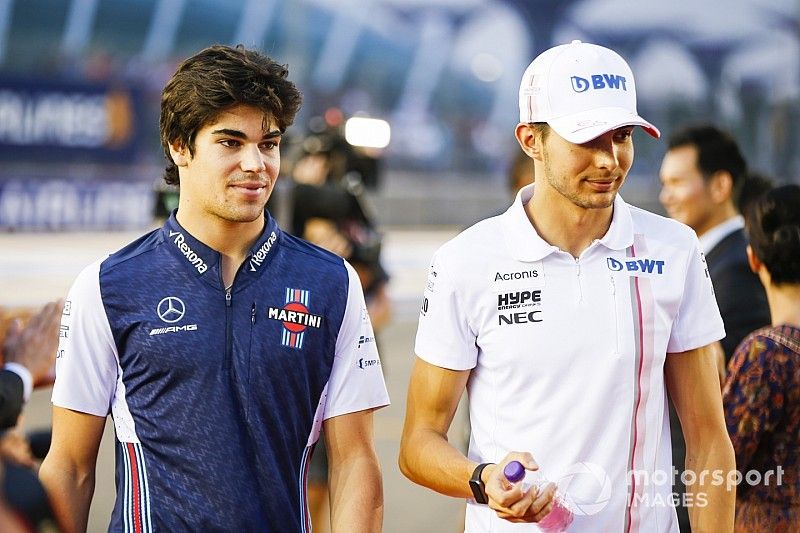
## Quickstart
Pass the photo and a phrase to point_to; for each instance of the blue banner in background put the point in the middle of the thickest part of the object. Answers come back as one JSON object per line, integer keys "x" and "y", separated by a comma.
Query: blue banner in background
{"x": 70, "y": 121}
{"x": 59, "y": 205}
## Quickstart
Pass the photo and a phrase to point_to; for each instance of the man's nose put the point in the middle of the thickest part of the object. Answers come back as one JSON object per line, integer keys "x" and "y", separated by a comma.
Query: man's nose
{"x": 252, "y": 159}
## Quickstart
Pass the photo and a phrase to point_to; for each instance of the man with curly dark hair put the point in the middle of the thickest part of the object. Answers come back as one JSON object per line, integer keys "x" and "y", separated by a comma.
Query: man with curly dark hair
{"x": 219, "y": 344}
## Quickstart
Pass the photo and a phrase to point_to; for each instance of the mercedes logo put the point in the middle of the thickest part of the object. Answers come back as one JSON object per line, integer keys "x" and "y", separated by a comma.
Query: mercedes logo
{"x": 171, "y": 309}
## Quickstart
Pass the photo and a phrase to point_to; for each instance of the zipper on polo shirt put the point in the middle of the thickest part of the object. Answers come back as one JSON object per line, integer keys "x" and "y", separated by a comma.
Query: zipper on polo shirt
{"x": 578, "y": 278}
{"x": 228, "y": 329}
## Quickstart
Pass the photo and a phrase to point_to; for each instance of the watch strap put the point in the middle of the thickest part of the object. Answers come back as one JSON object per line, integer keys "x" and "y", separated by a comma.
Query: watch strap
{"x": 476, "y": 484}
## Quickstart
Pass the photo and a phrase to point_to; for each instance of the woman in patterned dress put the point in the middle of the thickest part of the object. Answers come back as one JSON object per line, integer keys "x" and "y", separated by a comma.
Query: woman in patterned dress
{"x": 762, "y": 392}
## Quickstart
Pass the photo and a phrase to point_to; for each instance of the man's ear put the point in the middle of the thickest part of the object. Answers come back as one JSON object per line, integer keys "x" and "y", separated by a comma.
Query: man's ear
{"x": 754, "y": 262}
{"x": 720, "y": 186}
{"x": 529, "y": 140}
{"x": 179, "y": 153}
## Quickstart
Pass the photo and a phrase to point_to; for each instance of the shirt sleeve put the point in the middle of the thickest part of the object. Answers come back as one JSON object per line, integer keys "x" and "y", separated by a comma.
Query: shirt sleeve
{"x": 444, "y": 336}
{"x": 698, "y": 321}
{"x": 356, "y": 381}
{"x": 86, "y": 363}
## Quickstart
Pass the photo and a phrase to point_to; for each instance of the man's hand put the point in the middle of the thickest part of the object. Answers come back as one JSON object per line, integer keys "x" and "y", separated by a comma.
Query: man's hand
{"x": 34, "y": 346}
{"x": 508, "y": 500}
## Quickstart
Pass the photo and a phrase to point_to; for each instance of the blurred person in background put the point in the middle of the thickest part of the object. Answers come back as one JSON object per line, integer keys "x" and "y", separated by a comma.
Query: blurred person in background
{"x": 28, "y": 356}
{"x": 219, "y": 343}
{"x": 29, "y": 347}
{"x": 702, "y": 177}
{"x": 327, "y": 208}
{"x": 762, "y": 392}
{"x": 755, "y": 185}
{"x": 567, "y": 337}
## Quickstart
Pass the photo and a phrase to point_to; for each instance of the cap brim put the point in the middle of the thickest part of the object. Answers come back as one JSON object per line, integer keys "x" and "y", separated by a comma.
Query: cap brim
{"x": 582, "y": 127}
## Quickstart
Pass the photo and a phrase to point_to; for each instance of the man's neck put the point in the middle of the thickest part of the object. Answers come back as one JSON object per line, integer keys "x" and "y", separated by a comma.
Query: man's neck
{"x": 563, "y": 224}
{"x": 717, "y": 217}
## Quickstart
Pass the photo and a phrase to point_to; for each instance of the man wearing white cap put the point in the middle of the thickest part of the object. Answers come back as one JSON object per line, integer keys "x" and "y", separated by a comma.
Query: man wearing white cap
{"x": 568, "y": 319}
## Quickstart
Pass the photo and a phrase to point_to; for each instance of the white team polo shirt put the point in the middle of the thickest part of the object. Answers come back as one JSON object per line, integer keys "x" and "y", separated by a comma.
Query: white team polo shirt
{"x": 567, "y": 355}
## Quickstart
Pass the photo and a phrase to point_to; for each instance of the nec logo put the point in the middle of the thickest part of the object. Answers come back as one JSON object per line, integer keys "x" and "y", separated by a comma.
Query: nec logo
{"x": 644, "y": 266}
{"x": 520, "y": 318}
{"x": 599, "y": 81}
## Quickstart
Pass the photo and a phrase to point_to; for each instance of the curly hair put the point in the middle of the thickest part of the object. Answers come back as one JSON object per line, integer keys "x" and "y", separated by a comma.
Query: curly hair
{"x": 773, "y": 226}
{"x": 212, "y": 81}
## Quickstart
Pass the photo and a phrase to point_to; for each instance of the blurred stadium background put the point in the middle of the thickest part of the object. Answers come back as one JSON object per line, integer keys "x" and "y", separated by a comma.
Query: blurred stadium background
{"x": 81, "y": 163}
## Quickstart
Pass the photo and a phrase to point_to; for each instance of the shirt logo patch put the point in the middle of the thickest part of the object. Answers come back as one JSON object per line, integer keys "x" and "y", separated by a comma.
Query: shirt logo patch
{"x": 636, "y": 266}
{"x": 295, "y": 317}
{"x": 261, "y": 254}
{"x": 508, "y": 276}
{"x": 195, "y": 260}
{"x": 171, "y": 309}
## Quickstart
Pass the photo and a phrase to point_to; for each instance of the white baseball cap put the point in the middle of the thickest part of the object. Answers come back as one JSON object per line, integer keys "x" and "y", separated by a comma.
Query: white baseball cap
{"x": 582, "y": 91}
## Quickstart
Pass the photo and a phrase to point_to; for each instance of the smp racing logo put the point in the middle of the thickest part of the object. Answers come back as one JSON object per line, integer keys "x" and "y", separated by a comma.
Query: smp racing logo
{"x": 636, "y": 267}
{"x": 598, "y": 82}
{"x": 295, "y": 317}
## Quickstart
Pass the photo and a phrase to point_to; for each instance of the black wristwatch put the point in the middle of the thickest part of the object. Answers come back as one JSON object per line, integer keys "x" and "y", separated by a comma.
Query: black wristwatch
{"x": 475, "y": 483}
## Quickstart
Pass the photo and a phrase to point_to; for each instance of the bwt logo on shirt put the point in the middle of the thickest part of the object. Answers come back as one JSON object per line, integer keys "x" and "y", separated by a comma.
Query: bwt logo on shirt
{"x": 636, "y": 266}
{"x": 599, "y": 81}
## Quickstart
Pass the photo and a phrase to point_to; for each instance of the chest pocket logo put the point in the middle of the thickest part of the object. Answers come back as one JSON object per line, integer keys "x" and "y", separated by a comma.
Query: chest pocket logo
{"x": 296, "y": 317}
{"x": 636, "y": 266}
{"x": 171, "y": 309}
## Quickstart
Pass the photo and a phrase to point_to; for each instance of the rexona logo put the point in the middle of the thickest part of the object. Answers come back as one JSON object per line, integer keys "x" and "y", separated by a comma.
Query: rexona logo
{"x": 508, "y": 276}
{"x": 636, "y": 266}
{"x": 599, "y": 81}
{"x": 262, "y": 252}
{"x": 191, "y": 256}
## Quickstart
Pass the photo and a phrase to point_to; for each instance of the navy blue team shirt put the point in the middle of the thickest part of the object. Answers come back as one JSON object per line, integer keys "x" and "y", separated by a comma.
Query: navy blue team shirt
{"x": 217, "y": 393}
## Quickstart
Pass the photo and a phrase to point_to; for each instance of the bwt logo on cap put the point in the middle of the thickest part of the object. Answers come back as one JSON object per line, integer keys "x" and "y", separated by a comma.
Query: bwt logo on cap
{"x": 599, "y": 81}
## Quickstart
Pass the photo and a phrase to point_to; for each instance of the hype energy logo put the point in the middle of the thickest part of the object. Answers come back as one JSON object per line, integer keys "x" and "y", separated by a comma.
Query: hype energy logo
{"x": 637, "y": 266}
{"x": 295, "y": 317}
{"x": 599, "y": 82}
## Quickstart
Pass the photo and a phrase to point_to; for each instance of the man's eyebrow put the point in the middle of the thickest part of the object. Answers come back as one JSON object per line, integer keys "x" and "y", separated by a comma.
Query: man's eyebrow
{"x": 241, "y": 135}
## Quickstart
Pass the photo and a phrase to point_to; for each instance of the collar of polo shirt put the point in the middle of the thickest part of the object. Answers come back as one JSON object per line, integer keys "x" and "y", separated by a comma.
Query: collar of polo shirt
{"x": 526, "y": 245}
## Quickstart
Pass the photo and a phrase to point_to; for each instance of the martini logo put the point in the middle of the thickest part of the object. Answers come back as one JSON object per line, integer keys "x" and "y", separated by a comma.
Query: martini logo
{"x": 295, "y": 317}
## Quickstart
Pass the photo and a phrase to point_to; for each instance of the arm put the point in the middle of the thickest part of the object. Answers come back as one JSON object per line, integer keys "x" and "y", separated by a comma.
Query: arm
{"x": 428, "y": 459}
{"x": 356, "y": 488}
{"x": 693, "y": 385}
{"x": 426, "y": 456}
{"x": 68, "y": 471}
